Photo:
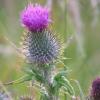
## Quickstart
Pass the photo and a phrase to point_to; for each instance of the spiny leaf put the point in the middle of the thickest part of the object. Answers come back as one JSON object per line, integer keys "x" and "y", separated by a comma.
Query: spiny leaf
{"x": 66, "y": 83}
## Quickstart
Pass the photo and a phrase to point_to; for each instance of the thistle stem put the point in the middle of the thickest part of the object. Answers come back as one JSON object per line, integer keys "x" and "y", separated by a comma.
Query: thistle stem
{"x": 48, "y": 75}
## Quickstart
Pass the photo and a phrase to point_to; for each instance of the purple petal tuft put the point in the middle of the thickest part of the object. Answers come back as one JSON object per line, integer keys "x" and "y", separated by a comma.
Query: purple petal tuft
{"x": 35, "y": 18}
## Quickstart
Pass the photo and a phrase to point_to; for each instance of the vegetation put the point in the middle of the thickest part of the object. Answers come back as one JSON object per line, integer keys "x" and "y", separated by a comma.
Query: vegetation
{"x": 78, "y": 23}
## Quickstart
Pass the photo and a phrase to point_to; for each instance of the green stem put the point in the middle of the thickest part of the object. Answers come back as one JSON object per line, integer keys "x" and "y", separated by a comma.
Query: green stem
{"x": 65, "y": 97}
{"x": 48, "y": 75}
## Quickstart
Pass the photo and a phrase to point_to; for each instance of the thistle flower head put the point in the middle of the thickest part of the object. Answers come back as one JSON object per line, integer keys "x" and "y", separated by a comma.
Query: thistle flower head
{"x": 95, "y": 92}
{"x": 35, "y": 18}
{"x": 40, "y": 45}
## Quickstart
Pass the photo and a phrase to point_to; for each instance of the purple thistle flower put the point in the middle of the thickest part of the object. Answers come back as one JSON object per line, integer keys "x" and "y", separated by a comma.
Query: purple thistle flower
{"x": 35, "y": 18}
{"x": 40, "y": 45}
{"x": 95, "y": 92}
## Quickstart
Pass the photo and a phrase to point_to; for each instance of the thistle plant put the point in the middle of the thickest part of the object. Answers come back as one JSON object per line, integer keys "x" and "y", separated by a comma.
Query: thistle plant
{"x": 43, "y": 50}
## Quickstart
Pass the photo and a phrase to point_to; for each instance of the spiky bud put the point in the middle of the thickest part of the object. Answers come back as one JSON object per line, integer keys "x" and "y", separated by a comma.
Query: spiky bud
{"x": 40, "y": 45}
{"x": 95, "y": 91}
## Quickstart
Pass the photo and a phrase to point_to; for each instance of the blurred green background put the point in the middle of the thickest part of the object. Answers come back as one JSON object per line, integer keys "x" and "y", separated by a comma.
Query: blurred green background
{"x": 79, "y": 23}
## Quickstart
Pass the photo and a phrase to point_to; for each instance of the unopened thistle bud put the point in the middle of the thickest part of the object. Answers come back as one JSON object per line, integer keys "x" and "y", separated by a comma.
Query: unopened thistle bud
{"x": 40, "y": 45}
{"x": 95, "y": 91}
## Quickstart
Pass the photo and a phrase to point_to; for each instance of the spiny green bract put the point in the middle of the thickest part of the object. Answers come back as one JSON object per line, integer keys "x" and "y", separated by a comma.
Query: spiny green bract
{"x": 41, "y": 47}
